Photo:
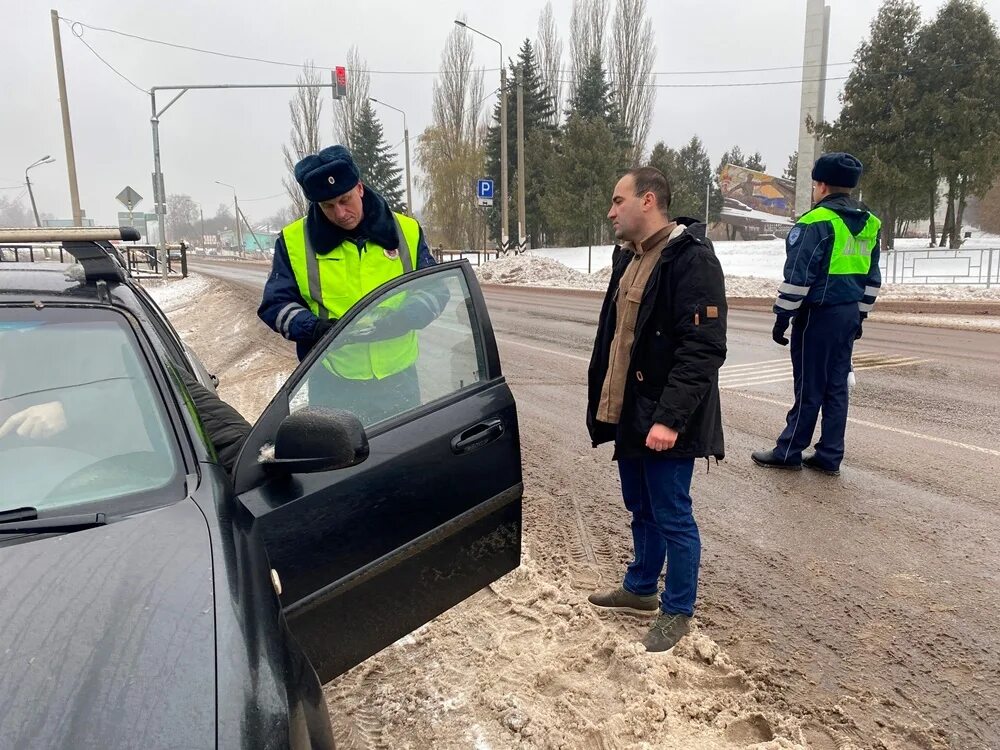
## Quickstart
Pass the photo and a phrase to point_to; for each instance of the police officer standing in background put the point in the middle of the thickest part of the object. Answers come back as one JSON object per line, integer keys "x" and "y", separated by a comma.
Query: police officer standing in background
{"x": 349, "y": 244}
{"x": 831, "y": 281}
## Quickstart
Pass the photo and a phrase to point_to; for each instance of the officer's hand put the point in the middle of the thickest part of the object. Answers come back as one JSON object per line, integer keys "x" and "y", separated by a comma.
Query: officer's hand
{"x": 392, "y": 324}
{"x": 36, "y": 422}
{"x": 661, "y": 438}
{"x": 323, "y": 326}
{"x": 778, "y": 332}
{"x": 858, "y": 334}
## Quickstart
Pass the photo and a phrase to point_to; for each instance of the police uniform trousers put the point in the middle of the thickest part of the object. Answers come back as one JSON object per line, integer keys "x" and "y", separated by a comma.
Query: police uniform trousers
{"x": 821, "y": 346}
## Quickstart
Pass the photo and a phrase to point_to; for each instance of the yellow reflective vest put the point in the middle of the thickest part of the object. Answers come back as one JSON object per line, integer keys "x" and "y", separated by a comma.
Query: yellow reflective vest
{"x": 331, "y": 283}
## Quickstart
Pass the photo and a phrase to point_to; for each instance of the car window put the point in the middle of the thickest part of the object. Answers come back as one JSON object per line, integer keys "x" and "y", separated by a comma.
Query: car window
{"x": 80, "y": 422}
{"x": 413, "y": 345}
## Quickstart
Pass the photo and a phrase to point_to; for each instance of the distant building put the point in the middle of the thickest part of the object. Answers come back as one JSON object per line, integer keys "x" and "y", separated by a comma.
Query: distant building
{"x": 252, "y": 243}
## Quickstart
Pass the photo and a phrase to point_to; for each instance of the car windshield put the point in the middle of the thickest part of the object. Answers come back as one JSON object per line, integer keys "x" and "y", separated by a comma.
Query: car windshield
{"x": 80, "y": 423}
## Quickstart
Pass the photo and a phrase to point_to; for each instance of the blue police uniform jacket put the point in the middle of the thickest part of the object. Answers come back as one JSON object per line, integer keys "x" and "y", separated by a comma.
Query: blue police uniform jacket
{"x": 808, "y": 282}
{"x": 282, "y": 307}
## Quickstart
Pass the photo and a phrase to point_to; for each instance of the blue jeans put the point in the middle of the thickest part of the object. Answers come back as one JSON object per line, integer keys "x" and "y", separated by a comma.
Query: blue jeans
{"x": 658, "y": 493}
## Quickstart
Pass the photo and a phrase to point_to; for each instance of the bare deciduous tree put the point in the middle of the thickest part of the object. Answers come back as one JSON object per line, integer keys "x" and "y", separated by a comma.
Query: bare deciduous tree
{"x": 345, "y": 112}
{"x": 586, "y": 29}
{"x": 14, "y": 212}
{"x": 305, "y": 108}
{"x": 451, "y": 151}
{"x": 548, "y": 48}
{"x": 633, "y": 49}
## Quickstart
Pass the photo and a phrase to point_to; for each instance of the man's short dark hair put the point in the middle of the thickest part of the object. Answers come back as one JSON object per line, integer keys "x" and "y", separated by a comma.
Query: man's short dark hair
{"x": 652, "y": 180}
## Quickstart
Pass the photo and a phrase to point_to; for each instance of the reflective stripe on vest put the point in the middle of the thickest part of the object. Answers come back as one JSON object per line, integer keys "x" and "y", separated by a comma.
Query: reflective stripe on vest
{"x": 852, "y": 253}
{"x": 333, "y": 282}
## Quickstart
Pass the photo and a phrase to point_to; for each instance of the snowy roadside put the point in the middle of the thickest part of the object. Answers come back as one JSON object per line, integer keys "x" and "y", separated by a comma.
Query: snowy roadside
{"x": 535, "y": 270}
{"x": 219, "y": 323}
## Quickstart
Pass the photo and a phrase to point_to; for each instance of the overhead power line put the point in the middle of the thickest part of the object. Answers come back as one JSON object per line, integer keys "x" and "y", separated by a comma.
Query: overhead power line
{"x": 247, "y": 58}
{"x": 79, "y": 35}
{"x": 298, "y": 65}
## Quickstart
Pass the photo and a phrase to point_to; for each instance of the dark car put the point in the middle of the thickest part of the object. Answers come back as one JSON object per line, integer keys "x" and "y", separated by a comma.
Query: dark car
{"x": 151, "y": 599}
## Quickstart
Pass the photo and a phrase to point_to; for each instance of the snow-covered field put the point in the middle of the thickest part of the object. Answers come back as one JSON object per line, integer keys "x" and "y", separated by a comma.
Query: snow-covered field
{"x": 753, "y": 269}
{"x": 761, "y": 258}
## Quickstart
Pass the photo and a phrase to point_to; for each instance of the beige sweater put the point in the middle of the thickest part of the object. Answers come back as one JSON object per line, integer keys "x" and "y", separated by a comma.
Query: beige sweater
{"x": 629, "y": 297}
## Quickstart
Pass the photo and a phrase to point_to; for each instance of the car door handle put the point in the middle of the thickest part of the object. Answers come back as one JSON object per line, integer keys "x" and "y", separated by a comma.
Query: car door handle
{"x": 477, "y": 436}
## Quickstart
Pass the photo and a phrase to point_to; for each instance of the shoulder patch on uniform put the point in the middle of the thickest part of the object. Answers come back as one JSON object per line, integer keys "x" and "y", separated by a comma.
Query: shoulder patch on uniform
{"x": 794, "y": 235}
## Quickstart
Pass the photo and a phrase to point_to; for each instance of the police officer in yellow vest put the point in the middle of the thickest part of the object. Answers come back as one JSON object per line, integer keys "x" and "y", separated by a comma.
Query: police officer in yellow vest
{"x": 349, "y": 244}
{"x": 831, "y": 281}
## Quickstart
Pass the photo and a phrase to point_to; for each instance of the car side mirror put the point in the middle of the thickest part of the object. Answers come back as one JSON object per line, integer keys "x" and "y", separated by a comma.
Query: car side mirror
{"x": 315, "y": 439}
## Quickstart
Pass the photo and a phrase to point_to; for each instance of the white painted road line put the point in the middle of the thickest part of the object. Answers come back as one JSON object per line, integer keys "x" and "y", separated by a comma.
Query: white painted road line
{"x": 542, "y": 349}
{"x": 885, "y": 427}
{"x": 762, "y": 399}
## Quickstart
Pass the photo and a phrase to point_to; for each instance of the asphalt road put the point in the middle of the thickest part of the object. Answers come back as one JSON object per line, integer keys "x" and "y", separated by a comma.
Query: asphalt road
{"x": 867, "y": 601}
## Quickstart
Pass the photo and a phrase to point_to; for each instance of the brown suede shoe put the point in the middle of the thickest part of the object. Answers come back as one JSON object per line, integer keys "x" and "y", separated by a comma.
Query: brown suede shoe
{"x": 625, "y": 601}
{"x": 666, "y": 632}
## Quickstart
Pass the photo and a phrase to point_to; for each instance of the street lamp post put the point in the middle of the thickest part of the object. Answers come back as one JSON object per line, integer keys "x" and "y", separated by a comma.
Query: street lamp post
{"x": 34, "y": 208}
{"x": 406, "y": 140}
{"x": 504, "y": 225}
{"x": 236, "y": 206}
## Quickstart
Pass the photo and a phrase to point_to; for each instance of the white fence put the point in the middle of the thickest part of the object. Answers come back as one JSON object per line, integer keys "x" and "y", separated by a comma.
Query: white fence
{"x": 973, "y": 266}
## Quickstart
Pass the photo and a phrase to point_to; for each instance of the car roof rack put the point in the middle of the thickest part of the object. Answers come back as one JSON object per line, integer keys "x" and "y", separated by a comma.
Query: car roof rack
{"x": 90, "y": 246}
{"x": 67, "y": 234}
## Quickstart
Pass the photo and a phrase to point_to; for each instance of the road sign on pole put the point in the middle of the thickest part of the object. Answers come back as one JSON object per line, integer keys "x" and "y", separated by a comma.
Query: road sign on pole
{"x": 129, "y": 198}
{"x": 484, "y": 192}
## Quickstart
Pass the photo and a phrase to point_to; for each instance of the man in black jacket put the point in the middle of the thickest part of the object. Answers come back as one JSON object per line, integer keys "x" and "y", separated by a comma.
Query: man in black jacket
{"x": 653, "y": 388}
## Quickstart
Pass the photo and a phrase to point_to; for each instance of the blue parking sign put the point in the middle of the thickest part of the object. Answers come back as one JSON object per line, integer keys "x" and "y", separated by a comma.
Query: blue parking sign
{"x": 484, "y": 189}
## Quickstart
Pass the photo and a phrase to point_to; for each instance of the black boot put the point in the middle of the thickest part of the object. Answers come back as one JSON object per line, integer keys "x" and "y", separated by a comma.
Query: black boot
{"x": 810, "y": 462}
{"x": 768, "y": 459}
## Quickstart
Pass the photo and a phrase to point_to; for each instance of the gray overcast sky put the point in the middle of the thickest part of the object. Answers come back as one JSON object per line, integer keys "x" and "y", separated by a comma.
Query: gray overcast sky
{"x": 235, "y": 136}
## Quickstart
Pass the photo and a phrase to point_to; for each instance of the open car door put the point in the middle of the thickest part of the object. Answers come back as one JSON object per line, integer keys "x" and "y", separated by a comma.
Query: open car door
{"x": 430, "y": 510}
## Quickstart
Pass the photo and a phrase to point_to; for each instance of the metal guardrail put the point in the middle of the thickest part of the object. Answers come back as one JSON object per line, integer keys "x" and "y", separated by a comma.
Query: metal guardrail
{"x": 972, "y": 266}
{"x": 141, "y": 261}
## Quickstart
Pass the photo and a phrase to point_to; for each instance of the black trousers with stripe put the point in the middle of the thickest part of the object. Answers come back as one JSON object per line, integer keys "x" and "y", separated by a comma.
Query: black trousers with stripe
{"x": 822, "y": 343}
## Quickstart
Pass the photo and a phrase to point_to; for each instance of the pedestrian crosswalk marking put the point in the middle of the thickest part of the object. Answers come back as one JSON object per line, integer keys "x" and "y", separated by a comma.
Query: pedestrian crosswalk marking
{"x": 751, "y": 374}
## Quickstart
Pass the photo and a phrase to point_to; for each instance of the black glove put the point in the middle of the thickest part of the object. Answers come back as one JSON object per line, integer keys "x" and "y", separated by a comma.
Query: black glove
{"x": 390, "y": 325}
{"x": 322, "y": 327}
{"x": 860, "y": 323}
{"x": 778, "y": 332}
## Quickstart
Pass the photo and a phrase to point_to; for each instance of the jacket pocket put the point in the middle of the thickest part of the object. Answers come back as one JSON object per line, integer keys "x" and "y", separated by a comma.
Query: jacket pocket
{"x": 642, "y": 417}
{"x": 633, "y": 298}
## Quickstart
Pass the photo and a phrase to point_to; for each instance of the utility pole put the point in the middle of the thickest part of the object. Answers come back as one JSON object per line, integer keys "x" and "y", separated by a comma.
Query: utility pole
{"x": 201, "y": 213}
{"x": 504, "y": 218}
{"x": 409, "y": 193}
{"x": 161, "y": 209}
{"x": 406, "y": 139}
{"x": 74, "y": 192}
{"x": 522, "y": 236}
{"x": 239, "y": 233}
{"x": 34, "y": 208}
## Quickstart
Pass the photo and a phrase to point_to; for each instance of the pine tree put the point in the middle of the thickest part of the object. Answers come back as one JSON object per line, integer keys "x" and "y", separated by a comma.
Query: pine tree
{"x": 688, "y": 170}
{"x": 736, "y": 157}
{"x": 792, "y": 168}
{"x": 376, "y": 162}
{"x": 880, "y": 121}
{"x": 591, "y": 154}
{"x": 959, "y": 59}
{"x": 579, "y": 180}
{"x": 538, "y": 135}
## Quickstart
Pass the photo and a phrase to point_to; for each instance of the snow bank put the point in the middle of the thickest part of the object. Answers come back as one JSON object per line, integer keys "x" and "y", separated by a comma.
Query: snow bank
{"x": 175, "y": 294}
{"x": 534, "y": 269}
